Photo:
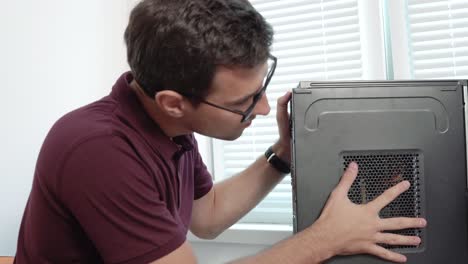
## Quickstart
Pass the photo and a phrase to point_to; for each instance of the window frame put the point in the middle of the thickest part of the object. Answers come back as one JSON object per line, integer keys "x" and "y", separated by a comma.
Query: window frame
{"x": 373, "y": 67}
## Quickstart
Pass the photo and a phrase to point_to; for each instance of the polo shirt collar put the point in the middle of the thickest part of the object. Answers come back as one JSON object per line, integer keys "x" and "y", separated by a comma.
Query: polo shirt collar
{"x": 131, "y": 112}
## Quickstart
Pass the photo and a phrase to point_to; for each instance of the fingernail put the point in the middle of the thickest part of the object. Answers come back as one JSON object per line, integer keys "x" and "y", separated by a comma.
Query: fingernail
{"x": 422, "y": 222}
{"x": 353, "y": 165}
{"x": 407, "y": 184}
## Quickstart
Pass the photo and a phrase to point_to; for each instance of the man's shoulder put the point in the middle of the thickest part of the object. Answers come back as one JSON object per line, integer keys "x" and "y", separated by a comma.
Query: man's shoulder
{"x": 78, "y": 126}
{"x": 97, "y": 116}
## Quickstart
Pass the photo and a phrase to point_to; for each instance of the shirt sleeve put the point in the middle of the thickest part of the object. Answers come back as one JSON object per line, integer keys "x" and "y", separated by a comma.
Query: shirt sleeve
{"x": 113, "y": 197}
{"x": 203, "y": 180}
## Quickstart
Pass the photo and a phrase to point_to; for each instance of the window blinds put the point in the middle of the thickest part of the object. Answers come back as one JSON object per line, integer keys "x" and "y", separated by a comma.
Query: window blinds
{"x": 438, "y": 38}
{"x": 314, "y": 40}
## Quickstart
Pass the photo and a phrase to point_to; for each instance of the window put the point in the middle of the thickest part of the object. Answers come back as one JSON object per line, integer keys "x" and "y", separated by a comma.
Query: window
{"x": 345, "y": 40}
{"x": 430, "y": 38}
{"x": 314, "y": 40}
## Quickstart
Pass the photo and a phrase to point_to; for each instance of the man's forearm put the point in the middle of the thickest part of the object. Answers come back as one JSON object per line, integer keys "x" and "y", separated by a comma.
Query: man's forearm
{"x": 236, "y": 196}
{"x": 308, "y": 246}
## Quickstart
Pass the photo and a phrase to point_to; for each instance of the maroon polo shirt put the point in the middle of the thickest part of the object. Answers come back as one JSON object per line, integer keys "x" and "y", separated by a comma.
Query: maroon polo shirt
{"x": 110, "y": 187}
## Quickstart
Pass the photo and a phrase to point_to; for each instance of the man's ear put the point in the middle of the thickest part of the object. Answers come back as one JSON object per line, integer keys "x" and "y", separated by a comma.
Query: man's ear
{"x": 172, "y": 103}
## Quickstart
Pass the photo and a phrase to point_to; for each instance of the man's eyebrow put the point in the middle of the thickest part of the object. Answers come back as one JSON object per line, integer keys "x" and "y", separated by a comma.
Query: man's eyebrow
{"x": 245, "y": 98}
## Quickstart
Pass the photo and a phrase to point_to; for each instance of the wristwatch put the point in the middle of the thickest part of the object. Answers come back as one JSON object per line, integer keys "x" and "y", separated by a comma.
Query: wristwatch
{"x": 276, "y": 162}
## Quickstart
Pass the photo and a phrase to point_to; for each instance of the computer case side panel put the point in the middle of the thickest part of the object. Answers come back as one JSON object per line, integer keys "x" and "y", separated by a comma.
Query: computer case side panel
{"x": 396, "y": 131}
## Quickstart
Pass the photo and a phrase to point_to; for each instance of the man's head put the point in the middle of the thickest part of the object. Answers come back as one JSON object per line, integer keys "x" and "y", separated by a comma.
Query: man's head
{"x": 186, "y": 46}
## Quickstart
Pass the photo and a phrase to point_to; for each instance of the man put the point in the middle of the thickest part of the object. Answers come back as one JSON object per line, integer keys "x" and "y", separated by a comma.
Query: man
{"x": 121, "y": 180}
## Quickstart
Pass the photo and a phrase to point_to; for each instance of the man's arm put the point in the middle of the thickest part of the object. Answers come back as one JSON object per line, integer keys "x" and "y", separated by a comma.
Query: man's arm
{"x": 343, "y": 228}
{"x": 232, "y": 198}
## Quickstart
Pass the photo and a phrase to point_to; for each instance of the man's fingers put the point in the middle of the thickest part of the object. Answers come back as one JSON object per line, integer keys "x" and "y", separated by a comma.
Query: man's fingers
{"x": 389, "y": 195}
{"x": 283, "y": 100}
{"x": 282, "y": 115}
{"x": 398, "y": 223}
{"x": 386, "y": 254}
{"x": 397, "y": 240}
{"x": 348, "y": 178}
{"x": 282, "y": 107}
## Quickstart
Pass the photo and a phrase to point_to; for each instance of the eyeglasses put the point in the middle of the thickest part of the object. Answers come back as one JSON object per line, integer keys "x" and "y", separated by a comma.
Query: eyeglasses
{"x": 255, "y": 98}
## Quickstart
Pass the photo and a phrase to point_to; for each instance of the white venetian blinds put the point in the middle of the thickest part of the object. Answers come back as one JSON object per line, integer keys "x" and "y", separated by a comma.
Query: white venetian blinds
{"x": 438, "y": 38}
{"x": 314, "y": 40}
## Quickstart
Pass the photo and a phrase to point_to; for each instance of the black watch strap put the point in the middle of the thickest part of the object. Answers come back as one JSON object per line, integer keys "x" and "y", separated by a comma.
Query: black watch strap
{"x": 276, "y": 162}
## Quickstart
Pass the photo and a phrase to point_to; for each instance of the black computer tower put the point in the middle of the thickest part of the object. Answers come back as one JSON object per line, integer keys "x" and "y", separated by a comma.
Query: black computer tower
{"x": 394, "y": 130}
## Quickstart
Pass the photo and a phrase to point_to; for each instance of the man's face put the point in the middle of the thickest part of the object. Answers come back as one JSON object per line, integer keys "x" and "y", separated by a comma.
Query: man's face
{"x": 232, "y": 88}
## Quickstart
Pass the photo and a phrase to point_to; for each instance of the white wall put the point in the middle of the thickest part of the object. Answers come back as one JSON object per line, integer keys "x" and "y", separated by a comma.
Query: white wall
{"x": 55, "y": 55}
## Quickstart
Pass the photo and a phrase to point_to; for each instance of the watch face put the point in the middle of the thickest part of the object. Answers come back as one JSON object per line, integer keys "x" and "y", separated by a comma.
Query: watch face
{"x": 276, "y": 162}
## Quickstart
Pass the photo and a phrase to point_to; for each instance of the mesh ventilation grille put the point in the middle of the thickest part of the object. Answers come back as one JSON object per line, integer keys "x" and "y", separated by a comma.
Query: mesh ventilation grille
{"x": 379, "y": 172}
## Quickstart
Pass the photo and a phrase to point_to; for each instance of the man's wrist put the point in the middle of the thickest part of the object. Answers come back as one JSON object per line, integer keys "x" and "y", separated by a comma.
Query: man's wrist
{"x": 283, "y": 151}
{"x": 276, "y": 162}
{"x": 323, "y": 247}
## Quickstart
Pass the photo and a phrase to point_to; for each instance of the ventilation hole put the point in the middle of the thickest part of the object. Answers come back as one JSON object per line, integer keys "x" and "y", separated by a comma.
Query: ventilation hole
{"x": 379, "y": 172}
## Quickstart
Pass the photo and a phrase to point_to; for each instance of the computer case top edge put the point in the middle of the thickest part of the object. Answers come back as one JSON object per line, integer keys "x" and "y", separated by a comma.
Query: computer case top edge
{"x": 382, "y": 83}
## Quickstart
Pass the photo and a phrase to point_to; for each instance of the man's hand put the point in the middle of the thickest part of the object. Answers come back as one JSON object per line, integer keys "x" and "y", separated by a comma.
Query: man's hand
{"x": 282, "y": 148}
{"x": 358, "y": 229}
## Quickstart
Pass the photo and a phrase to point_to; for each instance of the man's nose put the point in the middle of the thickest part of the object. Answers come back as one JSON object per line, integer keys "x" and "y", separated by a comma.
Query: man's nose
{"x": 262, "y": 107}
